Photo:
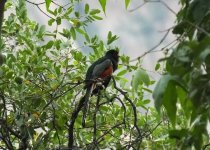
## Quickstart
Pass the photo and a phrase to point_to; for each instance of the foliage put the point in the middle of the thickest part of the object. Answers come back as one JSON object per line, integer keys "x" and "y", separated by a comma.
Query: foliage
{"x": 42, "y": 72}
{"x": 186, "y": 79}
{"x": 41, "y": 84}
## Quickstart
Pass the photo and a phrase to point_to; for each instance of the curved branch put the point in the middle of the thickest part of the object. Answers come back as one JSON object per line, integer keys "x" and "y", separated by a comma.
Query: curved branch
{"x": 132, "y": 105}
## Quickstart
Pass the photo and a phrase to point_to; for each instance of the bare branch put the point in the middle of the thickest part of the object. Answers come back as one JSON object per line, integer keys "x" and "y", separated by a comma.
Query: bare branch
{"x": 153, "y": 48}
{"x": 154, "y": 1}
{"x": 37, "y": 5}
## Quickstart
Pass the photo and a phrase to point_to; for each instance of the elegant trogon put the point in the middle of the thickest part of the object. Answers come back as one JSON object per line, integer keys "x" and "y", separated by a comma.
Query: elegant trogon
{"x": 99, "y": 72}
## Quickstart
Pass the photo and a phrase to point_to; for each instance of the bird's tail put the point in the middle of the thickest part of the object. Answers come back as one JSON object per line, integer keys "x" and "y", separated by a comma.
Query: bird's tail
{"x": 86, "y": 100}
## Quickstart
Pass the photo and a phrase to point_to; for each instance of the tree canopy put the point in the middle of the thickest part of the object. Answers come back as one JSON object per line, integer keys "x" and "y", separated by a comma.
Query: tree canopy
{"x": 42, "y": 74}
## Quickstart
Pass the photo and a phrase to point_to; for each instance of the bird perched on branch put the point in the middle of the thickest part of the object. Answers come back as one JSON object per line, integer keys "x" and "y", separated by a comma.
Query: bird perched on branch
{"x": 99, "y": 75}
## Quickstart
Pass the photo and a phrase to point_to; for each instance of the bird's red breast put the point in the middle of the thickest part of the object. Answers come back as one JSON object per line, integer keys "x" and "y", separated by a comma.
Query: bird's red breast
{"x": 108, "y": 72}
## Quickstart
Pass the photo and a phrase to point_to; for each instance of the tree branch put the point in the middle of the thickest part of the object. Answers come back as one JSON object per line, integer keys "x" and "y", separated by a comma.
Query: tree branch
{"x": 154, "y": 1}
{"x": 132, "y": 105}
{"x": 153, "y": 48}
{"x": 37, "y": 5}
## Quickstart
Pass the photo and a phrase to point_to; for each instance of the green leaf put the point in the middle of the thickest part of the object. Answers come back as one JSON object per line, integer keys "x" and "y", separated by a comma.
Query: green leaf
{"x": 87, "y": 8}
{"x": 18, "y": 80}
{"x": 87, "y": 38}
{"x": 178, "y": 134}
{"x": 205, "y": 53}
{"x": 180, "y": 28}
{"x": 9, "y": 74}
{"x": 94, "y": 11}
{"x": 160, "y": 90}
{"x": 146, "y": 101}
{"x": 140, "y": 77}
{"x": 80, "y": 31}
{"x": 27, "y": 41}
{"x": 68, "y": 12}
{"x": 78, "y": 56}
{"x": 49, "y": 45}
{"x": 198, "y": 9}
{"x": 157, "y": 66}
{"x": 2, "y": 59}
{"x": 109, "y": 35}
{"x": 1, "y": 72}
{"x": 59, "y": 9}
{"x": 121, "y": 73}
{"x": 57, "y": 70}
{"x": 97, "y": 17}
{"x": 73, "y": 33}
{"x": 50, "y": 22}
{"x": 103, "y": 5}
{"x": 41, "y": 31}
{"x": 48, "y": 3}
{"x": 58, "y": 20}
{"x": 112, "y": 39}
{"x": 170, "y": 100}
{"x": 77, "y": 14}
{"x": 127, "y": 2}
{"x": 185, "y": 102}
{"x": 146, "y": 89}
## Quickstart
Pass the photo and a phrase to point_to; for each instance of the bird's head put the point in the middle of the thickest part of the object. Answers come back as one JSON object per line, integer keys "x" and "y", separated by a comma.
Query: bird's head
{"x": 113, "y": 54}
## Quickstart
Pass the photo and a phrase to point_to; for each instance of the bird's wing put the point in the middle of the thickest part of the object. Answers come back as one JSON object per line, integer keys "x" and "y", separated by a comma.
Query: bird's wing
{"x": 99, "y": 69}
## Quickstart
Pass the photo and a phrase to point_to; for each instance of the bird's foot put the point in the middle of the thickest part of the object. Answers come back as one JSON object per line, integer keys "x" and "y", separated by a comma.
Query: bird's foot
{"x": 99, "y": 82}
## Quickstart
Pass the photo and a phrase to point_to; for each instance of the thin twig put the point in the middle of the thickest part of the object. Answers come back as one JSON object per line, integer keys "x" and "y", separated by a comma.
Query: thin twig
{"x": 37, "y": 5}
{"x": 107, "y": 132}
{"x": 153, "y": 48}
{"x": 141, "y": 5}
{"x": 58, "y": 96}
{"x": 154, "y": 1}
{"x": 41, "y": 3}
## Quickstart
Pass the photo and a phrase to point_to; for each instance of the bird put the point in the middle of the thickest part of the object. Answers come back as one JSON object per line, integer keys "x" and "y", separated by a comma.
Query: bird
{"x": 99, "y": 75}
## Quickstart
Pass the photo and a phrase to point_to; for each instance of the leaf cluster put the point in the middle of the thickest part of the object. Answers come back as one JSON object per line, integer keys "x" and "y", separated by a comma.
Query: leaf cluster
{"x": 41, "y": 83}
{"x": 184, "y": 89}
